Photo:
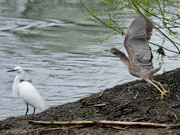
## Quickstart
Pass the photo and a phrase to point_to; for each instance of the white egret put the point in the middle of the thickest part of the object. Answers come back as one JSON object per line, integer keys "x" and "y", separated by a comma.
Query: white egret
{"x": 26, "y": 91}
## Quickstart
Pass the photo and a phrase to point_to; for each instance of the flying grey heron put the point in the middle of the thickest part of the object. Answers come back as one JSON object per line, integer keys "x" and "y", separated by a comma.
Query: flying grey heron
{"x": 139, "y": 62}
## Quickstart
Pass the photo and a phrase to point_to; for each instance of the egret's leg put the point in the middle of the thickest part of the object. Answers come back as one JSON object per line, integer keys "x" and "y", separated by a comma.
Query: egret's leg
{"x": 34, "y": 110}
{"x": 27, "y": 109}
{"x": 165, "y": 91}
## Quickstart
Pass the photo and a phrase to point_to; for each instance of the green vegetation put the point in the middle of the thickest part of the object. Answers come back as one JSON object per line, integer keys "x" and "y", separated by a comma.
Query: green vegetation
{"x": 165, "y": 15}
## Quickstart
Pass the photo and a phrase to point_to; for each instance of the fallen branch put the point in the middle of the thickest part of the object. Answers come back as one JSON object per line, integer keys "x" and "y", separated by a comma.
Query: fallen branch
{"x": 174, "y": 126}
{"x": 101, "y": 93}
{"x": 116, "y": 127}
{"x": 138, "y": 119}
{"x": 158, "y": 125}
{"x": 100, "y": 105}
{"x": 125, "y": 104}
{"x": 48, "y": 129}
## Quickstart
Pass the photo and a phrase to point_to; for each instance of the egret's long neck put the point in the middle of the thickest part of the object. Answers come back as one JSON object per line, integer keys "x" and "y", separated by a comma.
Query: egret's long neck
{"x": 17, "y": 79}
{"x": 16, "y": 84}
{"x": 123, "y": 58}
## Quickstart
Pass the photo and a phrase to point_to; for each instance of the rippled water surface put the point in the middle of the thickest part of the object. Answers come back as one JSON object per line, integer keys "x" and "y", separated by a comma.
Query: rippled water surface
{"x": 54, "y": 44}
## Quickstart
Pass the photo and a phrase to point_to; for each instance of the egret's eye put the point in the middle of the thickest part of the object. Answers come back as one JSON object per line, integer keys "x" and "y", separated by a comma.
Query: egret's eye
{"x": 17, "y": 70}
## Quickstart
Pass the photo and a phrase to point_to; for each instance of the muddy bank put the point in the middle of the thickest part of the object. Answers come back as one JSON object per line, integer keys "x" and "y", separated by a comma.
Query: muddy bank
{"x": 133, "y": 101}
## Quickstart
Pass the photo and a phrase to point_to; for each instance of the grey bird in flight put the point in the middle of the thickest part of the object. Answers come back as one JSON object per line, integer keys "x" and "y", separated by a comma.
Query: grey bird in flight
{"x": 139, "y": 62}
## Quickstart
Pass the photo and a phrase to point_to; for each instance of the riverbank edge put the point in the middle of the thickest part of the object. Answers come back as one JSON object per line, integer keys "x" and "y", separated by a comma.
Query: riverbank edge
{"x": 132, "y": 101}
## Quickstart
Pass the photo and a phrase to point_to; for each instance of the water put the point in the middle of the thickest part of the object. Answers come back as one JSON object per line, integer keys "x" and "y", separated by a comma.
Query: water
{"x": 54, "y": 44}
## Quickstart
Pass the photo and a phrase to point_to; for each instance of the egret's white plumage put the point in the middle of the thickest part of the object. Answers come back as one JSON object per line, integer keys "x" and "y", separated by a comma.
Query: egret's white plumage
{"x": 30, "y": 95}
{"x": 26, "y": 91}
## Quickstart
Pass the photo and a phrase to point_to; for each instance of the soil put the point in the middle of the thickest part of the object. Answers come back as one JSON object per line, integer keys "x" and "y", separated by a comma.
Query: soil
{"x": 132, "y": 101}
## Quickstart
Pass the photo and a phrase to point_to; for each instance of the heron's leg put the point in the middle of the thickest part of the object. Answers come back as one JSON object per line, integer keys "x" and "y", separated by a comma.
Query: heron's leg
{"x": 34, "y": 110}
{"x": 27, "y": 110}
{"x": 164, "y": 90}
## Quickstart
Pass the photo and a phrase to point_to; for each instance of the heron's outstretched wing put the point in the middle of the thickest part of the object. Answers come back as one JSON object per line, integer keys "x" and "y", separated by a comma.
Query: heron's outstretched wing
{"x": 136, "y": 42}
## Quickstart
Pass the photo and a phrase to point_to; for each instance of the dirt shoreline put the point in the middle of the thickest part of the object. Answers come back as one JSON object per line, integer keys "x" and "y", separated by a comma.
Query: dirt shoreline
{"x": 132, "y": 101}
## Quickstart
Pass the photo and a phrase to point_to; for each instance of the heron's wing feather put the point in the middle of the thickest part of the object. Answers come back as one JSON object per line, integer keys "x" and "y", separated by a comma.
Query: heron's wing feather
{"x": 136, "y": 42}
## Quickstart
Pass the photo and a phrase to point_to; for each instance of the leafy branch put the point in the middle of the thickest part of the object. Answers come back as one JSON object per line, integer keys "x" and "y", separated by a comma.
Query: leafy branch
{"x": 155, "y": 26}
{"x": 156, "y": 10}
{"x": 101, "y": 21}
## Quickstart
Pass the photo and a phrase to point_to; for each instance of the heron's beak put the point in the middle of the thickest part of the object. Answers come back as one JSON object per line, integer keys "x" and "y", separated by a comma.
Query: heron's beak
{"x": 13, "y": 70}
{"x": 107, "y": 50}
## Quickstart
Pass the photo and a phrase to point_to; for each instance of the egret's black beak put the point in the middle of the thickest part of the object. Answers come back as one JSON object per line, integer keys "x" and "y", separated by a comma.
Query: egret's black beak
{"x": 13, "y": 70}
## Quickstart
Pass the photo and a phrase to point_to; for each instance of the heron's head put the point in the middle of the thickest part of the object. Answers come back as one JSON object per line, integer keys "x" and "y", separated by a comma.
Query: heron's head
{"x": 17, "y": 69}
{"x": 114, "y": 51}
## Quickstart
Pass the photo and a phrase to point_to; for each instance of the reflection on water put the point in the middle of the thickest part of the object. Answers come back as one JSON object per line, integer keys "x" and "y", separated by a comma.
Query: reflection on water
{"x": 48, "y": 39}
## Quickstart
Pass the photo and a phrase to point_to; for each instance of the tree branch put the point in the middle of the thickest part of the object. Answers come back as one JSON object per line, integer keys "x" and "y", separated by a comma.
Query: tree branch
{"x": 168, "y": 38}
{"x": 120, "y": 29}
{"x": 38, "y": 130}
{"x": 154, "y": 14}
{"x": 163, "y": 47}
{"x": 97, "y": 18}
{"x": 156, "y": 27}
{"x": 104, "y": 122}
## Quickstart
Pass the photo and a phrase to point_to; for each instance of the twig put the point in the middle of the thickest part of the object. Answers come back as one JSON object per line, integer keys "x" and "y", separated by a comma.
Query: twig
{"x": 138, "y": 119}
{"x": 168, "y": 38}
{"x": 104, "y": 122}
{"x": 97, "y": 18}
{"x": 160, "y": 9}
{"x": 173, "y": 126}
{"x": 49, "y": 129}
{"x": 125, "y": 104}
{"x": 118, "y": 128}
{"x": 163, "y": 47}
{"x": 155, "y": 15}
{"x": 169, "y": 27}
{"x": 155, "y": 26}
{"x": 100, "y": 105}
{"x": 110, "y": 17}
{"x": 101, "y": 93}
